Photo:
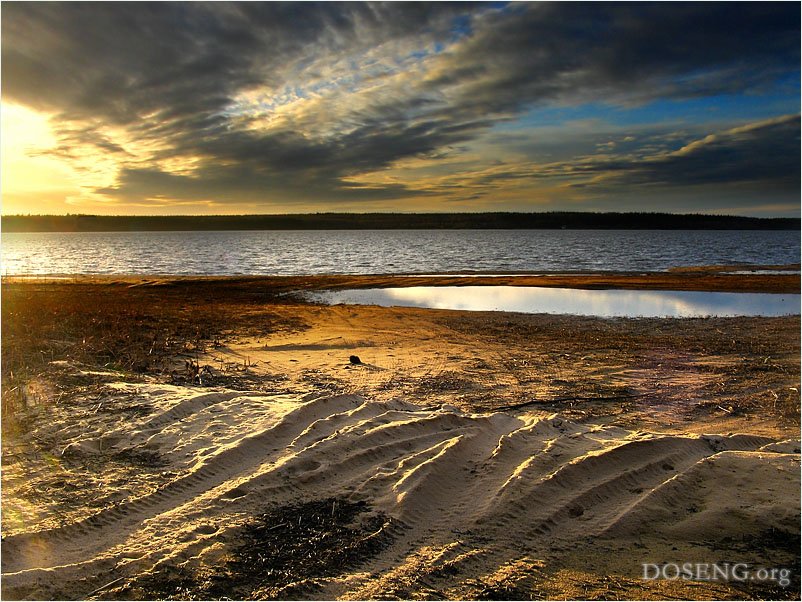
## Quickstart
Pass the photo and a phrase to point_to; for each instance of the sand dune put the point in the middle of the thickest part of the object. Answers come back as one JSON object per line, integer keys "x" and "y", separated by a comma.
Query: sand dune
{"x": 470, "y": 493}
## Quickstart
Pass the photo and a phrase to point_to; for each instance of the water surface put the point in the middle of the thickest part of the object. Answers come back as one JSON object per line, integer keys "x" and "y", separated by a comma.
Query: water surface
{"x": 603, "y": 303}
{"x": 388, "y": 251}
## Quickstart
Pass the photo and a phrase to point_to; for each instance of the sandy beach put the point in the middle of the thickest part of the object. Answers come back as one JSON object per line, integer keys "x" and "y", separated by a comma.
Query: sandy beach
{"x": 400, "y": 301}
{"x": 207, "y": 438}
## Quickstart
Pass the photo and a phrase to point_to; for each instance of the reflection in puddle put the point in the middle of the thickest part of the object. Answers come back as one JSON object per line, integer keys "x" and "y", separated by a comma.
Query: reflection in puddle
{"x": 604, "y": 303}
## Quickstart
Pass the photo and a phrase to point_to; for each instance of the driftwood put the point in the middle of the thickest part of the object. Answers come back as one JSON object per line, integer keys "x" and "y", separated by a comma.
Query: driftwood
{"x": 102, "y": 587}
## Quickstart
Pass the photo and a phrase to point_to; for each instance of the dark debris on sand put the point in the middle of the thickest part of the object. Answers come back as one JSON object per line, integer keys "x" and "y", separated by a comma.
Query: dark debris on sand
{"x": 282, "y": 553}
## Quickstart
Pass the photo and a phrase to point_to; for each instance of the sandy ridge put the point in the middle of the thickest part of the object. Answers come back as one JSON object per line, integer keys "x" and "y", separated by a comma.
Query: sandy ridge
{"x": 531, "y": 485}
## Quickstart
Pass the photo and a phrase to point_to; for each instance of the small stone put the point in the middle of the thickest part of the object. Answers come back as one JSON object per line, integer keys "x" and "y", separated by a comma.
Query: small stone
{"x": 354, "y": 359}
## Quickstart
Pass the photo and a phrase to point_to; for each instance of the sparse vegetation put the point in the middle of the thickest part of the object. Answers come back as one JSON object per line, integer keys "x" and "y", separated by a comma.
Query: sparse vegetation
{"x": 135, "y": 329}
{"x": 280, "y": 554}
{"x": 66, "y": 345}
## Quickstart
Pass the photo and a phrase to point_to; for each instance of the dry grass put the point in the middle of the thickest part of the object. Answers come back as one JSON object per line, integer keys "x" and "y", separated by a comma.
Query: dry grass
{"x": 132, "y": 329}
{"x": 140, "y": 325}
{"x": 278, "y": 555}
{"x": 141, "y": 328}
{"x": 747, "y": 366}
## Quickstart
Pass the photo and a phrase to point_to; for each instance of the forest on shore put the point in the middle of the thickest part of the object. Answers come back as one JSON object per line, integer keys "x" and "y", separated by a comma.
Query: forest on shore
{"x": 394, "y": 221}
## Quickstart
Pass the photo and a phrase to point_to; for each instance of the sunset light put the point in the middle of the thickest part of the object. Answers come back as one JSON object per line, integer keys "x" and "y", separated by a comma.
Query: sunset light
{"x": 400, "y": 301}
{"x": 182, "y": 108}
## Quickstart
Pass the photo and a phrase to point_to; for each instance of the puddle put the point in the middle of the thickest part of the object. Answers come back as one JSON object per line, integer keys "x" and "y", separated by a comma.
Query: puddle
{"x": 602, "y": 303}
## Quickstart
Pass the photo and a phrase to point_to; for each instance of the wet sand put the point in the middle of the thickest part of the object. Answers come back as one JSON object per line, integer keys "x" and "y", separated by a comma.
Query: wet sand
{"x": 776, "y": 279}
{"x": 466, "y": 455}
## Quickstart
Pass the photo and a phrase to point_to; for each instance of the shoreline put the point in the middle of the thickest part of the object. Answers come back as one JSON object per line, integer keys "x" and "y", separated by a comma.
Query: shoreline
{"x": 698, "y": 278}
{"x": 558, "y": 220}
{"x": 160, "y": 419}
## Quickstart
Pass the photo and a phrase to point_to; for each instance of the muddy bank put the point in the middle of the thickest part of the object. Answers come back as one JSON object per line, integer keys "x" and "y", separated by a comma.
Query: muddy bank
{"x": 757, "y": 279}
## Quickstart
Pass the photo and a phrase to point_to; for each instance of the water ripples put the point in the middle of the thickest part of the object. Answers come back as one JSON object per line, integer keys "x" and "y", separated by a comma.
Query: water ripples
{"x": 387, "y": 252}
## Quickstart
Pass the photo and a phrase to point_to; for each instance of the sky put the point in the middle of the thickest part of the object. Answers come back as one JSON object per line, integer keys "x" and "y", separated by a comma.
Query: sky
{"x": 294, "y": 107}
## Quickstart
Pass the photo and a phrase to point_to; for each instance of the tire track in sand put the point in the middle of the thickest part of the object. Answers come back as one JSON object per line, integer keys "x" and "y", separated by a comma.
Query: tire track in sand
{"x": 66, "y": 544}
{"x": 485, "y": 488}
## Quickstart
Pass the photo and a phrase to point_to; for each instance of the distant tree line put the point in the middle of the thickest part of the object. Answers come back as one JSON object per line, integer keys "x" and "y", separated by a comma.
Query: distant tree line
{"x": 394, "y": 221}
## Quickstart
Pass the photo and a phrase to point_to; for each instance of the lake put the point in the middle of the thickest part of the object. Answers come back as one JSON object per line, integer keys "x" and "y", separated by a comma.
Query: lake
{"x": 387, "y": 251}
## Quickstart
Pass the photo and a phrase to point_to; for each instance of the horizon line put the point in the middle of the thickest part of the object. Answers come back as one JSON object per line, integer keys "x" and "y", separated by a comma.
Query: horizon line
{"x": 403, "y": 213}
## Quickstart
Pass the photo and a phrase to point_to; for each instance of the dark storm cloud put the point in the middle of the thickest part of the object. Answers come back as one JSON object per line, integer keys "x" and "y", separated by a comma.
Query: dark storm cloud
{"x": 171, "y": 72}
{"x": 758, "y": 160}
{"x": 765, "y": 154}
{"x": 125, "y": 60}
{"x": 631, "y": 52}
{"x": 240, "y": 185}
